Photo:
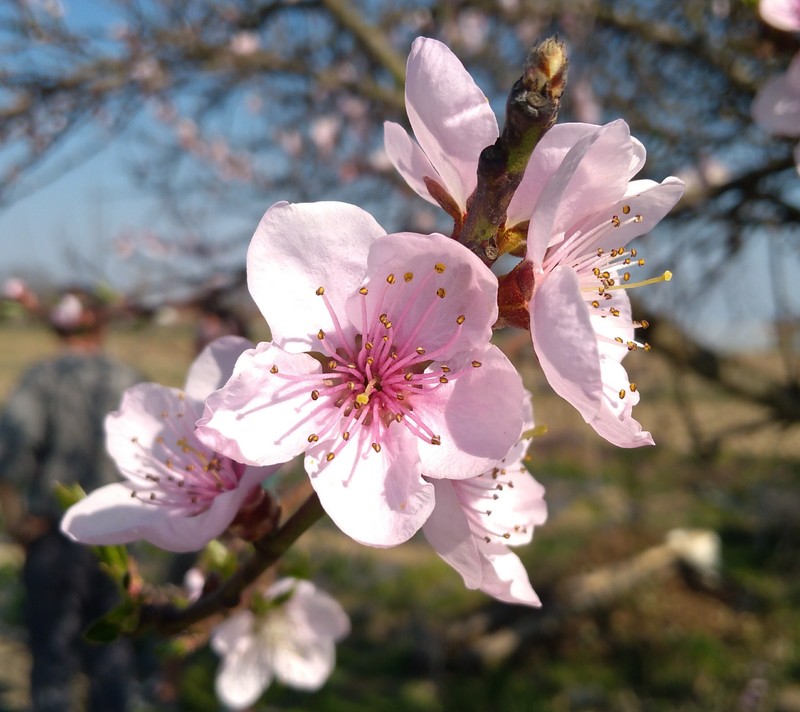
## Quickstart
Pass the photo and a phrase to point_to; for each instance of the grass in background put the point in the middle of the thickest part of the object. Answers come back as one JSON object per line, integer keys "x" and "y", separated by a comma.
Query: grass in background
{"x": 421, "y": 642}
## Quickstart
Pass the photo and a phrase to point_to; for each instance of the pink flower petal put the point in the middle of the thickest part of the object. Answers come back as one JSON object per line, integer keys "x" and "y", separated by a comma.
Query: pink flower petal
{"x": 231, "y": 632}
{"x": 601, "y": 178}
{"x": 305, "y": 664}
{"x": 377, "y": 498}
{"x": 614, "y": 421}
{"x": 448, "y": 532}
{"x": 214, "y": 366}
{"x": 776, "y": 107}
{"x": 409, "y": 159}
{"x": 505, "y": 578}
{"x": 110, "y": 515}
{"x": 548, "y": 155}
{"x": 298, "y": 248}
{"x": 435, "y": 280}
{"x": 608, "y": 329}
{"x": 260, "y": 417}
{"x": 141, "y": 424}
{"x": 312, "y": 611}
{"x": 564, "y": 341}
{"x": 450, "y": 115}
{"x": 478, "y": 417}
{"x": 783, "y": 14}
{"x": 639, "y": 210}
{"x": 245, "y": 673}
{"x": 504, "y": 504}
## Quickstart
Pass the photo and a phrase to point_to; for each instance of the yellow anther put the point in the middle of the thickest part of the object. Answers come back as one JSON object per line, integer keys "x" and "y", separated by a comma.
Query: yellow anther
{"x": 320, "y": 291}
{"x": 314, "y": 395}
{"x": 622, "y": 394}
{"x": 441, "y": 292}
{"x": 346, "y": 435}
{"x": 408, "y": 276}
{"x": 419, "y": 350}
{"x": 626, "y": 209}
{"x": 476, "y": 364}
{"x": 439, "y": 267}
{"x": 320, "y": 334}
{"x": 330, "y": 456}
{"x": 369, "y": 345}
{"x": 274, "y": 369}
{"x": 376, "y": 447}
{"x": 615, "y": 221}
{"x": 408, "y": 376}
{"x": 390, "y": 279}
{"x": 436, "y": 440}
{"x": 443, "y": 379}
{"x": 313, "y": 438}
{"x": 363, "y": 291}
{"x": 460, "y": 320}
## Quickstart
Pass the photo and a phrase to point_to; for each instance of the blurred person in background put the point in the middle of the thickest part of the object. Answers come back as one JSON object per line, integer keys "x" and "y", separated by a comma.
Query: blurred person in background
{"x": 52, "y": 432}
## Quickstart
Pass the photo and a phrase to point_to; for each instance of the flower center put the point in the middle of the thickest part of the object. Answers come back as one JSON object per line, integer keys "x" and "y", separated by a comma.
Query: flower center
{"x": 384, "y": 375}
{"x": 603, "y": 272}
{"x": 178, "y": 471}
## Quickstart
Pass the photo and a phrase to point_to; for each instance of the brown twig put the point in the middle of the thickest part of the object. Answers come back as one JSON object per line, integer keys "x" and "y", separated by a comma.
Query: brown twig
{"x": 169, "y": 619}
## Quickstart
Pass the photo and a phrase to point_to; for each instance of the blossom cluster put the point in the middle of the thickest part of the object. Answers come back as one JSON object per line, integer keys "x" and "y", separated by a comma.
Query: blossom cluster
{"x": 381, "y": 372}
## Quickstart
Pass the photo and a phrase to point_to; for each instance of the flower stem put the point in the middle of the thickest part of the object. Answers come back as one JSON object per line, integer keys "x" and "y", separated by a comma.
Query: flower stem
{"x": 531, "y": 109}
{"x": 169, "y": 619}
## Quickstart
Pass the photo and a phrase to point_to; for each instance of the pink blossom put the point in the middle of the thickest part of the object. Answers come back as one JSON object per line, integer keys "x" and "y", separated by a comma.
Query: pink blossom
{"x": 380, "y": 368}
{"x": 67, "y": 313}
{"x": 783, "y": 14}
{"x": 452, "y": 122}
{"x": 178, "y": 493}
{"x": 776, "y": 107}
{"x": 578, "y": 195}
{"x": 587, "y": 209}
{"x": 476, "y": 520}
{"x": 245, "y": 43}
{"x": 288, "y": 635}
{"x": 14, "y": 288}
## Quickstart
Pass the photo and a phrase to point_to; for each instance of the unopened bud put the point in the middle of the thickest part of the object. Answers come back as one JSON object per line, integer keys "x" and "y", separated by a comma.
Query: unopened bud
{"x": 513, "y": 296}
{"x": 546, "y": 69}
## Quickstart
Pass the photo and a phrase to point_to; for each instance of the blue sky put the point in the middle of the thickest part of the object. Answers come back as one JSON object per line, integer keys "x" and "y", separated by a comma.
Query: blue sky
{"x": 81, "y": 211}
